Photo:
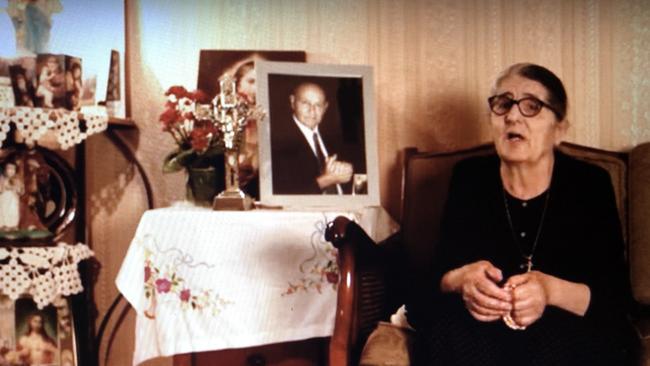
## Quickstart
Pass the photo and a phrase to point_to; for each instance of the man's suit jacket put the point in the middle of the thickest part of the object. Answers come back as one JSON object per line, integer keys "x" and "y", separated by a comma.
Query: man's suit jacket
{"x": 294, "y": 165}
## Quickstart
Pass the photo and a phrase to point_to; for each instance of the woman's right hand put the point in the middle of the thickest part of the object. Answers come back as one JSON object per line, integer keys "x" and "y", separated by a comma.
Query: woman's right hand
{"x": 477, "y": 283}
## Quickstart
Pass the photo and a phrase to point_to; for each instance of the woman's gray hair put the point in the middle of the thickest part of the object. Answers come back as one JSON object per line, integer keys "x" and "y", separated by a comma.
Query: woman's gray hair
{"x": 557, "y": 97}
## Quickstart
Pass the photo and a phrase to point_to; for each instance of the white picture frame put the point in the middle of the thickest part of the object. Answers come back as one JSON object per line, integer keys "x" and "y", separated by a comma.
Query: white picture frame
{"x": 349, "y": 117}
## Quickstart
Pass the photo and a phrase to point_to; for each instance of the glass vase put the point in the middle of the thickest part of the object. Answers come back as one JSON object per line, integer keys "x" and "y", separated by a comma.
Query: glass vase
{"x": 202, "y": 185}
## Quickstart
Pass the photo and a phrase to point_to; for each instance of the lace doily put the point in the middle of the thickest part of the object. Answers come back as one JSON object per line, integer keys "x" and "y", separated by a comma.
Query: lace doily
{"x": 45, "y": 273}
{"x": 33, "y": 123}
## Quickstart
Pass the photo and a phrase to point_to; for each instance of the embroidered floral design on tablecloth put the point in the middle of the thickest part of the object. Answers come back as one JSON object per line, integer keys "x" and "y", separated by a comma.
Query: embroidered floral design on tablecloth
{"x": 162, "y": 282}
{"x": 321, "y": 269}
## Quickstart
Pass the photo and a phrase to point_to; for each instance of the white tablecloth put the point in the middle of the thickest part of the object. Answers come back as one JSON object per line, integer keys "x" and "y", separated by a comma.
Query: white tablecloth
{"x": 208, "y": 280}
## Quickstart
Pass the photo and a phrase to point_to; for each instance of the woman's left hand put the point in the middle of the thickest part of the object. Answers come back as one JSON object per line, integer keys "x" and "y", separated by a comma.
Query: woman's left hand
{"x": 529, "y": 297}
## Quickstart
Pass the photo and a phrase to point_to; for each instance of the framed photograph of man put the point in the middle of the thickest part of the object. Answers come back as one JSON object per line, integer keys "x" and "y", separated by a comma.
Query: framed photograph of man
{"x": 240, "y": 64}
{"x": 318, "y": 143}
{"x": 32, "y": 336}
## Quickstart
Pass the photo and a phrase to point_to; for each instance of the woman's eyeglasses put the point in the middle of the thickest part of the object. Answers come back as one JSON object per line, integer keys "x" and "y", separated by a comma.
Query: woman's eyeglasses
{"x": 528, "y": 106}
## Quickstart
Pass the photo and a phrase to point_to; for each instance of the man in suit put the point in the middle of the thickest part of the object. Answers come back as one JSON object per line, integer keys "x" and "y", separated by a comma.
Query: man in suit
{"x": 304, "y": 161}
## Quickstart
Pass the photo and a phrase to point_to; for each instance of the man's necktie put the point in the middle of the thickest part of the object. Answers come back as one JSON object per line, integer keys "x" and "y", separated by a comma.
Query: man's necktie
{"x": 319, "y": 151}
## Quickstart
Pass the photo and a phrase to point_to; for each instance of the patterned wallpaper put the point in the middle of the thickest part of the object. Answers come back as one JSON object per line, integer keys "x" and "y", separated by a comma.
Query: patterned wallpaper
{"x": 434, "y": 62}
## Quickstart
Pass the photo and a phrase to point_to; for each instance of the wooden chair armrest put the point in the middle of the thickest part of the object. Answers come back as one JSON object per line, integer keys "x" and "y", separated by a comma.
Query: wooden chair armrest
{"x": 362, "y": 292}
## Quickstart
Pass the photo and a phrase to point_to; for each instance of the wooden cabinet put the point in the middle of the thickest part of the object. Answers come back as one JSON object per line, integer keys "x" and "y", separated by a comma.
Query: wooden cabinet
{"x": 310, "y": 352}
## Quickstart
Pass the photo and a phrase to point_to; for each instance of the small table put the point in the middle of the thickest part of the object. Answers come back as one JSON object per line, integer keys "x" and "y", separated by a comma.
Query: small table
{"x": 203, "y": 280}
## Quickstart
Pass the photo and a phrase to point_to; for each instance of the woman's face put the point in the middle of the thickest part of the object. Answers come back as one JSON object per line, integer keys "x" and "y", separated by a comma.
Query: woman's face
{"x": 521, "y": 139}
{"x": 246, "y": 85}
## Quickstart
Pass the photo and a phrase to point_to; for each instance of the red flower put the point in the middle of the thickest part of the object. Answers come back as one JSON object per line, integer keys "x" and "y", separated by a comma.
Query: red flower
{"x": 178, "y": 91}
{"x": 187, "y": 102}
{"x": 168, "y": 118}
{"x": 201, "y": 135}
{"x": 163, "y": 285}
{"x": 189, "y": 115}
{"x": 185, "y": 295}
{"x": 332, "y": 277}
{"x": 199, "y": 96}
{"x": 147, "y": 273}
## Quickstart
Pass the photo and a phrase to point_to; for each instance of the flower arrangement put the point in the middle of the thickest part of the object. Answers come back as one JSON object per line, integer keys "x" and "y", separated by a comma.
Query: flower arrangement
{"x": 204, "y": 129}
{"x": 187, "y": 119}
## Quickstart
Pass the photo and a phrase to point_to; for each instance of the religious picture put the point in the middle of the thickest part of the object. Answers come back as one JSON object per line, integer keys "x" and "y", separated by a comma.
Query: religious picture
{"x": 113, "y": 86}
{"x": 88, "y": 90}
{"x": 22, "y": 73}
{"x": 30, "y": 336}
{"x": 22, "y": 85}
{"x": 73, "y": 84}
{"x": 37, "y": 196}
{"x": 240, "y": 65}
{"x": 6, "y": 91}
{"x": 50, "y": 90}
{"x": 12, "y": 188}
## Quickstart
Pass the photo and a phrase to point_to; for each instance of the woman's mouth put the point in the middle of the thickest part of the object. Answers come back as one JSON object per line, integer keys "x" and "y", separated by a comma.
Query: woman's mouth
{"x": 513, "y": 136}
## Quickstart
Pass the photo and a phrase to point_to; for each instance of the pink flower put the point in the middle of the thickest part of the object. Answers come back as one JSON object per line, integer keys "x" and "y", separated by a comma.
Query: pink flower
{"x": 163, "y": 285}
{"x": 147, "y": 273}
{"x": 185, "y": 295}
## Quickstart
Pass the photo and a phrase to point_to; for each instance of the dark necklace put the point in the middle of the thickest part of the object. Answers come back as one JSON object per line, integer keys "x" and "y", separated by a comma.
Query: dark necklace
{"x": 528, "y": 258}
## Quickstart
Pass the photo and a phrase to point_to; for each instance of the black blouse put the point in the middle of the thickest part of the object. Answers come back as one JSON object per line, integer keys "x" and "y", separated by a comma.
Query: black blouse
{"x": 580, "y": 239}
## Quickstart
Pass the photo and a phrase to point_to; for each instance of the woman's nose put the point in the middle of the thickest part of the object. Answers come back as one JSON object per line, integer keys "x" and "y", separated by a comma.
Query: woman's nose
{"x": 513, "y": 114}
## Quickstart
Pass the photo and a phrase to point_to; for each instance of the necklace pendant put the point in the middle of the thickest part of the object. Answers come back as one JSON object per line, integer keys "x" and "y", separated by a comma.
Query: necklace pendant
{"x": 529, "y": 263}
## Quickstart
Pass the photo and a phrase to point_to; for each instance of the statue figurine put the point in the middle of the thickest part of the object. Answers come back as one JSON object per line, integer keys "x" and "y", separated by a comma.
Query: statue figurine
{"x": 32, "y": 20}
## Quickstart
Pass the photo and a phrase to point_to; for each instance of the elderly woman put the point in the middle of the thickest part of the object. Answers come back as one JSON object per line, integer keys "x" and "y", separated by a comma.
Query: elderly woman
{"x": 530, "y": 268}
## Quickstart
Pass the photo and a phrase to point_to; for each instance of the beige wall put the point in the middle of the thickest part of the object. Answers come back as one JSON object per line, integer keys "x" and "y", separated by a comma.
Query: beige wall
{"x": 433, "y": 63}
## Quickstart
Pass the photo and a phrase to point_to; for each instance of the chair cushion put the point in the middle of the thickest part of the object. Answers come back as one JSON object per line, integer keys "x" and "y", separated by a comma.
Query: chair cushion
{"x": 388, "y": 344}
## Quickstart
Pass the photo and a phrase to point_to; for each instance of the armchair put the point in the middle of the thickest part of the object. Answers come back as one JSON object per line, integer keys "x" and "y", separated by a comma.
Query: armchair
{"x": 372, "y": 272}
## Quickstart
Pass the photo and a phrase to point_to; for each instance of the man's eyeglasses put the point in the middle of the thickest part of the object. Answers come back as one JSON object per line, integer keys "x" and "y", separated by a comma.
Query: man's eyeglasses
{"x": 528, "y": 106}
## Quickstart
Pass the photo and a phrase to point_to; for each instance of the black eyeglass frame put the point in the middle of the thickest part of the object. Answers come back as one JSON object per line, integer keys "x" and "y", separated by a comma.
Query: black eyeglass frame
{"x": 517, "y": 101}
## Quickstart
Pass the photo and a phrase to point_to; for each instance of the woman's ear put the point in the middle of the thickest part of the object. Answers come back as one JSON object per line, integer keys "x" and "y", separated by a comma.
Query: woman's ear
{"x": 561, "y": 129}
